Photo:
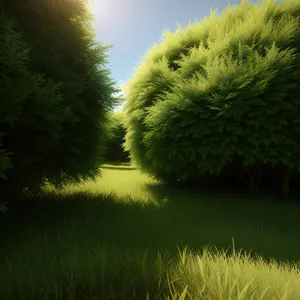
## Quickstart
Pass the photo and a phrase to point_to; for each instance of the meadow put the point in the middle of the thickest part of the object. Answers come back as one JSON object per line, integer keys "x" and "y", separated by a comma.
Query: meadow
{"x": 127, "y": 236}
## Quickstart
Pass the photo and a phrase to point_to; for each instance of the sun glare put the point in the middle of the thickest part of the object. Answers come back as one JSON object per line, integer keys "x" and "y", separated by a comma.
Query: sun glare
{"x": 97, "y": 8}
{"x": 91, "y": 4}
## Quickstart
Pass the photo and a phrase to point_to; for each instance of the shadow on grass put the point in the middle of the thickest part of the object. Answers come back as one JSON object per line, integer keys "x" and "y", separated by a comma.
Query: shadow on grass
{"x": 125, "y": 164}
{"x": 186, "y": 218}
{"x": 125, "y": 168}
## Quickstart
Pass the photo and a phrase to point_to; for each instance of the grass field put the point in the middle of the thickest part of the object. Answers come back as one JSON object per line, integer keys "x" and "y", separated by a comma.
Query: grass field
{"x": 127, "y": 236}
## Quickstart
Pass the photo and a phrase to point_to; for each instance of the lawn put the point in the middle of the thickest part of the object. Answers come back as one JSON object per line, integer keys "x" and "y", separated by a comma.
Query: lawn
{"x": 127, "y": 236}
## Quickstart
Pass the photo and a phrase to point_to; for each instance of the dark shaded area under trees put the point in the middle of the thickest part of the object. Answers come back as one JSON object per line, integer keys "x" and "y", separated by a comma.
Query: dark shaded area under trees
{"x": 115, "y": 152}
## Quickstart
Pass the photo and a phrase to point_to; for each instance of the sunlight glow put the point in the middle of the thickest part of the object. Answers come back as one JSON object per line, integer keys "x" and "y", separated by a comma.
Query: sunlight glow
{"x": 99, "y": 9}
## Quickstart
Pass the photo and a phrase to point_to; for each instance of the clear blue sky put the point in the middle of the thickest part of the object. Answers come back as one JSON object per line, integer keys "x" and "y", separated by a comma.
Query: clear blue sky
{"x": 133, "y": 26}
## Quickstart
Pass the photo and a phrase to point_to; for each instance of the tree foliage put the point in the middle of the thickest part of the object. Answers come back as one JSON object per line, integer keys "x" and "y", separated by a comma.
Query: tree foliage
{"x": 223, "y": 90}
{"x": 28, "y": 118}
{"x": 57, "y": 94}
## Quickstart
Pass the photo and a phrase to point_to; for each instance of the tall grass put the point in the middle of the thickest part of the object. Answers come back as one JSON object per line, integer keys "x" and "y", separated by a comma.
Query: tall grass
{"x": 126, "y": 236}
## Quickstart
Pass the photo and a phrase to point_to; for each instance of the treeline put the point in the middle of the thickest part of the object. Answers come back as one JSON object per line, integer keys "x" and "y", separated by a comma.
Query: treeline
{"x": 115, "y": 152}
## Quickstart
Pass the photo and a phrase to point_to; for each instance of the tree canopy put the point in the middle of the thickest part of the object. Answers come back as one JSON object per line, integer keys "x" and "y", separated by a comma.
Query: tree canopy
{"x": 218, "y": 91}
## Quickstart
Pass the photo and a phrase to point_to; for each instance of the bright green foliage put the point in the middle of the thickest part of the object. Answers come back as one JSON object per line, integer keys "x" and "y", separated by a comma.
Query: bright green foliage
{"x": 224, "y": 88}
{"x": 115, "y": 150}
{"x": 58, "y": 95}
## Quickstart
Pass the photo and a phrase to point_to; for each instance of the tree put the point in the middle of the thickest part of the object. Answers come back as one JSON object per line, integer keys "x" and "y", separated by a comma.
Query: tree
{"x": 56, "y": 131}
{"x": 115, "y": 151}
{"x": 219, "y": 93}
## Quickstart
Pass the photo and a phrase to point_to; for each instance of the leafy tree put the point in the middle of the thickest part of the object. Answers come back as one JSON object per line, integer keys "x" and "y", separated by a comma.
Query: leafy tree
{"x": 220, "y": 93}
{"x": 58, "y": 94}
{"x": 115, "y": 151}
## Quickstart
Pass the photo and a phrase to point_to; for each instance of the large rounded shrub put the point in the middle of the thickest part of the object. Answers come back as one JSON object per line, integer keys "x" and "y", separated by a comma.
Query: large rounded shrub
{"x": 221, "y": 91}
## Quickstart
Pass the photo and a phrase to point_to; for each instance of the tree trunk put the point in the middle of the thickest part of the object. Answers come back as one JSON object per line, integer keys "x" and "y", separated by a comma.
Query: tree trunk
{"x": 250, "y": 176}
{"x": 255, "y": 175}
{"x": 282, "y": 184}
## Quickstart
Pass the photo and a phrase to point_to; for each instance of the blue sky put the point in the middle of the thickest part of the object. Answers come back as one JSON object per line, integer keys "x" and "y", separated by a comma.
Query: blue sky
{"x": 133, "y": 26}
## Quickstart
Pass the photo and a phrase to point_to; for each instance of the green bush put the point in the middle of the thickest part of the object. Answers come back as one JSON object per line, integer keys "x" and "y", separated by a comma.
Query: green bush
{"x": 223, "y": 90}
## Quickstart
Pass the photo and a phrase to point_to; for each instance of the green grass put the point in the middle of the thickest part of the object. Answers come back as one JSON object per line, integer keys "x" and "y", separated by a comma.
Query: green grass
{"x": 126, "y": 236}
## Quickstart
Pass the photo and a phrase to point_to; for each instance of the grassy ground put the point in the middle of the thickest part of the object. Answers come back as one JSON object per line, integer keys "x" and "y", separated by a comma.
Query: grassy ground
{"x": 126, "y": 236}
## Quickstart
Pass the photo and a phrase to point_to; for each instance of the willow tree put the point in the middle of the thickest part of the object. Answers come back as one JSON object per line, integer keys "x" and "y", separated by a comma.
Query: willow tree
{"x": 222, "y": 91}
{"x": 56, "y": 134}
